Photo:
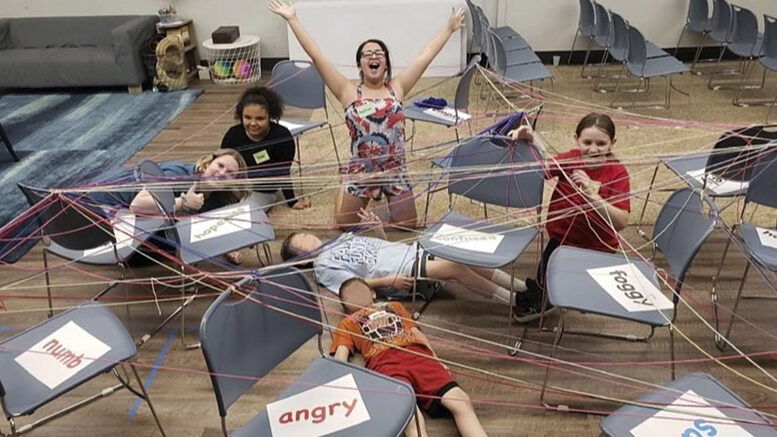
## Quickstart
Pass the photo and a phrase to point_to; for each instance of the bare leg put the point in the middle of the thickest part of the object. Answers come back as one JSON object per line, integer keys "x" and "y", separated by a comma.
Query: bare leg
{"x": 449, "y": 270}
{"x": 347, "y": 208}
{"x": 459, "y": 404}
{"x": 411, "y": 430}
{"x": 402, "y": 208}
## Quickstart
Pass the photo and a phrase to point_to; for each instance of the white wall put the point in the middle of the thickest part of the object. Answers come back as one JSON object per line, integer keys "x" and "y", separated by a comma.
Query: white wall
{"x": 548, "y": 25}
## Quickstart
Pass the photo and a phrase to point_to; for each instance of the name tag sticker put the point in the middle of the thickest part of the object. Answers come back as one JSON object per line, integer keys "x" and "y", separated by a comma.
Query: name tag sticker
{"x": 630, "y": 288}
{"x": 323, "y": 410}
{"x": 768, "y": 237}
{"x": 261, "y": 156}
{"x": 62, "y": 354}
{"x": 466, "y": 239}
{"x": 366, "y": 109}
{"x": 690, "y": 415}
{"x": 220, "y": 223}
{"x": 716, "y": 184}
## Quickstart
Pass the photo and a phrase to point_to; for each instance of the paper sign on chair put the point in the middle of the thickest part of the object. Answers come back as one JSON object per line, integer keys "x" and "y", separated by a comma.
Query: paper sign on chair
{"x": 466, "y": 239}
{"x": 768, "y": 237}
{"x": 689, "y": 415}
{"x": 331, "y": 407}
{"x": 716, "y": 184}
{"x": 219, "y": 223}
{"x": 630, "y": 288}
{"x": 59, "y": 356}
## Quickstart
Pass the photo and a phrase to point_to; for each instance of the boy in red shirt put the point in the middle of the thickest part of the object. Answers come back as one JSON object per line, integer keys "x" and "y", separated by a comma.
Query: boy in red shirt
{"x": 394, "y": 346}
{"x": 590, "y": 202}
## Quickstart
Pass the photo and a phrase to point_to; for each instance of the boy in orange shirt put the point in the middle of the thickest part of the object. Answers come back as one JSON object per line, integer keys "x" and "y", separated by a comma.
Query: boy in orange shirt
{"x": 394, "y": 346}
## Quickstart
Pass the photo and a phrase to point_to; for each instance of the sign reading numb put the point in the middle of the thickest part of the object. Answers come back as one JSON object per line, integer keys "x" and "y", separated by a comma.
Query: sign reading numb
{"x": 630, "y": 288}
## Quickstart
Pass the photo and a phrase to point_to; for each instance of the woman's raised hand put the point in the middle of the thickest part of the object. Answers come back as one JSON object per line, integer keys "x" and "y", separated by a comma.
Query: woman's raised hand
{"x": 456, "y": 21}
{"x": 285, "y": 10}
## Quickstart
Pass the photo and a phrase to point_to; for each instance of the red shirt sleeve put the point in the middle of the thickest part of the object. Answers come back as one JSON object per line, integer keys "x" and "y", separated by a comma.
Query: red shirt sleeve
{"x": 617, "y": 190}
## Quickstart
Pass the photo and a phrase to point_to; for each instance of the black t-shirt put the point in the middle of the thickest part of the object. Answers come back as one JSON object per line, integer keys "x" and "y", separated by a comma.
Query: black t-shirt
{"x": 271, "y": 157}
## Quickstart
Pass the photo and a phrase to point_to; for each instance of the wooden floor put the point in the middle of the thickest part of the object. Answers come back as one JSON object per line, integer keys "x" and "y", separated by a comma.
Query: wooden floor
{"x": 475, "y": 330}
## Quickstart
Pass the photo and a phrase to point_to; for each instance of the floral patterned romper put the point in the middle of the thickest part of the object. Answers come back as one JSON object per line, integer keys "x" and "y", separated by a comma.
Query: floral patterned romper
{"x": 377, "y": 128}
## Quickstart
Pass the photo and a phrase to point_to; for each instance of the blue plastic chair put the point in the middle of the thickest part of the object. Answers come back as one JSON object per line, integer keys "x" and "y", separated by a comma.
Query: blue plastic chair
{"x": 760, "y": 191}
{"x": 300, "y": 84}
{"x": 79, "y": 233}
{"x": 522, "y": 69}
{"x": 493, "y": 171}
{"x": 769, "y": 59}
{"x": 718, "y": 396}
{"x": 24, "y": 391}
{"x": 251, "y": 328}
{"x": 699, "y": 21}
{"x": 718, "y": 171}
{"x": 684, "y": 223}
{"x": 746, "y": 43}
{"x": 586, "y": 26}
{"x": 644, "y": 67}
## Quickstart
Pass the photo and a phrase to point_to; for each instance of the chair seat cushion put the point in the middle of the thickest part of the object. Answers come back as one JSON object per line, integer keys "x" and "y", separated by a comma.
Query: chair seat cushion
{"x": 680, "y": 393}
{"x": 513, "y": 241}
{"x": 130, "y": 231}
{"x": 654, "y": 67}
{"x": 527, "y": 72}
{"x": 764, "y": 254}
{"x": 88, "y": 327}
{"x": 571, "y": 286}
{"x": 690, "y": 168}
{"x": 390, "y": 403}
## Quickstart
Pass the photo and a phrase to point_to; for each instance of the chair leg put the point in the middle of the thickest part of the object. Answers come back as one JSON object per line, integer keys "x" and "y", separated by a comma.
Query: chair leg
{"x": 617, "y": 85}
{"x": 572, "y": 50}
{"x": 671, "y": 348}
{"x": 698, "y": 52}
{"x": 334, "y": 144}
{"x": 713, "y": 290}
{"x": 677, "y": 46}
{"x": 147, "y": 399}
{"x": 556, "y": 341}
{"x": 585, "y": 60}
{"x": 299, "y": 160}
{"x": 48, "y": 281}
{"x": 721, "y": 341}
{"x": 644, "y": 205}
{"x": 769, "y": 111}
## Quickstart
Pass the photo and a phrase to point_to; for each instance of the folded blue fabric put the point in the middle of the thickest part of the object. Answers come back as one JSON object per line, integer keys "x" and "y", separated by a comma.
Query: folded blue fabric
{"x": 431, "y": 102}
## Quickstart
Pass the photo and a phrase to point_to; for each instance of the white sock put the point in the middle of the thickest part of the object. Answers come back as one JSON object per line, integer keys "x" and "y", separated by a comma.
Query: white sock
{"x": 502, "y": 279}
{"x": 502, "y": 295}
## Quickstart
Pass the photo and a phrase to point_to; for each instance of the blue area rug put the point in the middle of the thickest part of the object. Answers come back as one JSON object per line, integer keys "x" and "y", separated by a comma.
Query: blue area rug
{"x": 65, "y": 138}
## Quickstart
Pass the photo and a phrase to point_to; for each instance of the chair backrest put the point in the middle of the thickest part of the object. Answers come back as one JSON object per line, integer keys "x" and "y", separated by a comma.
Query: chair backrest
{"x": 745, "y": 27}
{"x": 461, "y": 100}
{"x": 763, "y": 180}
{"x": 770, "y": 37}
{"x": 299, "y": 83}
{"x": 602, "y": 34}
{"x": 497, "y": 171}
{"x": 587, "y": 17}
{"x": 698, "y": 12}
{"x": 637, "y": 55}
{"x": 485, "y": 39}
{"x": 477, "y": 27}
{"x": 498, "y": 50}
{"x": 619, "y": 46}
{"x": 722, "y": 20}
{"x": 737, "y": 165}
{"x": 148, "y": 171}
{"x": 682, "y": 226}
{"x": 66, "y": 222}
{"x": 243, "y": 339}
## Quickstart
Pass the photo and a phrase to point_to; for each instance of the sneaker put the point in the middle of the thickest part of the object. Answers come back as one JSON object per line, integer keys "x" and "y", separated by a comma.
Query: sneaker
{"x": 528, "y": 307}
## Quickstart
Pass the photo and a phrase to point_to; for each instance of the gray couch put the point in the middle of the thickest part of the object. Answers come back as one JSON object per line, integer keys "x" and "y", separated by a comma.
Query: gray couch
{"x": 40, "y": 52}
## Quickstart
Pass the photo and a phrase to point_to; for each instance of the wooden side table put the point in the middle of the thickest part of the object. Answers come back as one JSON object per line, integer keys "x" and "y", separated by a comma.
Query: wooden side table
{"x": 184, "y": 29}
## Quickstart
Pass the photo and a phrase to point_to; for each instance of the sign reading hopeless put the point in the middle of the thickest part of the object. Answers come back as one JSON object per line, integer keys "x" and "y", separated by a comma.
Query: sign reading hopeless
{"x": 331, "y": 407}
{"x": 466, "y": 239}
{"x": 690, "y": 416}
{"x": 630, "y": 288}
{"x": 220, "y": 223}
{"x": 65, "y": 352}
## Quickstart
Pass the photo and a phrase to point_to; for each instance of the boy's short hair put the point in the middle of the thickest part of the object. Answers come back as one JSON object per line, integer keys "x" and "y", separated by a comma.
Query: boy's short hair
{"x": 287, "y": 251}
